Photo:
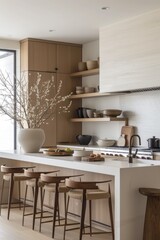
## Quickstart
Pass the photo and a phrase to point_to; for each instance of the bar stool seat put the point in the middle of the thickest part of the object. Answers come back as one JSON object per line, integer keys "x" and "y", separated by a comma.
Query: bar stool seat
{"x": 12, "y": 174}
{"x": 16, "y": 177}
{"x": 90, "y": 194}
{"x": 152, "y": 214}
{"x": 51, "y": 188}
{"x": 87, "y": 191}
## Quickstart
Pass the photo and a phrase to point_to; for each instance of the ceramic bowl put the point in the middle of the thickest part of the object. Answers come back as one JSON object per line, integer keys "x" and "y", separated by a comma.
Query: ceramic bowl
{"x": 92, "y": 64}
{"x": 83, "y": 139}
{"x": 82, "y": 66}
{"x": 89, "y": 89}
{"x": 105, "y": 142}
{"x": 111, "y": 112}
{"x": 90, "y": 113}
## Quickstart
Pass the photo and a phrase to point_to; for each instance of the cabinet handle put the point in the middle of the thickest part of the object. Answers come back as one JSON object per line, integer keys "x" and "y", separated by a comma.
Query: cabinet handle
{"x": 56, "y": 68}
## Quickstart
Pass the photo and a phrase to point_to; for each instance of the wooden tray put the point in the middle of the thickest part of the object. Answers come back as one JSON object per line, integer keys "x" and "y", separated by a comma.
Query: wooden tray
{"x": 89, "y": 159}
{"x": 51, "y": 153}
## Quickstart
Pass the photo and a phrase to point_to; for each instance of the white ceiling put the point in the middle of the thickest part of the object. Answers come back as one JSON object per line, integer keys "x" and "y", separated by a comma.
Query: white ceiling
{"x": 76, "y": 21}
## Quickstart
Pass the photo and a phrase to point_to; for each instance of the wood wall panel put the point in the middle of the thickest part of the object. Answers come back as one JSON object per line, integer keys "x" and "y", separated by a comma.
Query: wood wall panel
{"x": 130, "y": 54}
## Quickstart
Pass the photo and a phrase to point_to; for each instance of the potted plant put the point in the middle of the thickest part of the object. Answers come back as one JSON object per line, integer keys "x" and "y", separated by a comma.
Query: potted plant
{"x": 34, "y": 104}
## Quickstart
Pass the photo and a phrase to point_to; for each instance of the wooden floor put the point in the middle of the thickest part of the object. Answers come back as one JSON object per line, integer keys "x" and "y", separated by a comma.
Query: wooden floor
{"x": 13, "y": 230}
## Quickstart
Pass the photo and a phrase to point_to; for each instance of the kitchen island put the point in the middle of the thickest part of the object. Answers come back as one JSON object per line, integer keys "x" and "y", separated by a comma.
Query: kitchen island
{"x": 129, "y": 205}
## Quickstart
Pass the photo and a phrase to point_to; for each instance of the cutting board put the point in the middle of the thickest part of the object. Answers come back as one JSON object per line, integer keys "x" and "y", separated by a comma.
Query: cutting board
{"x": 128, "y": 131}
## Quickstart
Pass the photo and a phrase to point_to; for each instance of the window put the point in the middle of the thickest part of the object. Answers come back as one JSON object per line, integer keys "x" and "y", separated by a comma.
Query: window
{"x": 7, "y": 126}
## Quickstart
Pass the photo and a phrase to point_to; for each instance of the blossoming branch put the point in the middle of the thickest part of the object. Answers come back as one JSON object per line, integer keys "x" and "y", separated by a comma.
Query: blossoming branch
{"x": 36, "y": 101}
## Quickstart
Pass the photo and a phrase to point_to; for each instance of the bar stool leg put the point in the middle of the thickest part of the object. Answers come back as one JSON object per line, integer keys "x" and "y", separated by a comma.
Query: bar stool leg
{"x": 35, "y": 203}
{"x": 65, "y": 223}
{"x": 24, "y": 205}
{"x": 111, "y": 213}
{"x": 19, "y": 194}
{"x": 10, "y": 195}
{"x": 90, "y": 217}
{"x": 83, "y": 210}
{"x": 55, "y": 209}
{"x": 1, "y": 196}
{"x": 42, "y": 201}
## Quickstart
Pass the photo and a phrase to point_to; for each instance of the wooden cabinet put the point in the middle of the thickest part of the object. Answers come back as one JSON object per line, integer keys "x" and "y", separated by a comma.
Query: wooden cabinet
{"x": 38, "y": 55}
{"x": 67, "y": 131}
{"x": 60, "y": 59}
{"x": 49, "y": 56}
{"x": 67, "y": 58}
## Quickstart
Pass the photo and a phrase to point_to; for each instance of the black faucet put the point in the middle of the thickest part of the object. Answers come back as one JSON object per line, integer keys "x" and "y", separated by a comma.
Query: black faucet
{"x": 130, "y": 148}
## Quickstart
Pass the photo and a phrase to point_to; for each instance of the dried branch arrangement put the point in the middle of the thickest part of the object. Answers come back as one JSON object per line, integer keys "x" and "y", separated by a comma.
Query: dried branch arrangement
{"x": 36, "y": 102}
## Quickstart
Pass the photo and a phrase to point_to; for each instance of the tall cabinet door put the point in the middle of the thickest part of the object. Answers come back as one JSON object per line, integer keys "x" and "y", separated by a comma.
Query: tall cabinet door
{"x": 49, "y": 126}
{"x": 39, "y": 55}
{"x": 66, "y": 130}
{"x": 68, "y": 57}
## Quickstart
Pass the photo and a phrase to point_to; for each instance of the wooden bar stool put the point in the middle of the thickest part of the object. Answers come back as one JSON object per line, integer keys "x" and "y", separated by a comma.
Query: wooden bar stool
{"x": 55, "y": 184}
{"x": 87, "y": 191}
{"x": 11, "y": 175}
{"x": 152, "y": 215}
{"x": 35, "y": 184}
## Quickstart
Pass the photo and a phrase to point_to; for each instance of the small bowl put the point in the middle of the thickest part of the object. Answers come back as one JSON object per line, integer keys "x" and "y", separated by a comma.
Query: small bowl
{"x": 89, "y": 89}
{"x": 111, "y": 112}
{"x": 82, "y": 66}
{"x": 105, "y": 142}
{"x": 79, "y": 91}
{"x": 92, "y": 64}
{"x": 90, "y": 113}
{"x": 83, "y": 139}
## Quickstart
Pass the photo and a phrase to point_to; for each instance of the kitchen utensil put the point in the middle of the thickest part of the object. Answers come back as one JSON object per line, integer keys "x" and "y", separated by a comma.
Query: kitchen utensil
{"x": 111, "y": 112}
{"x": 153, "y": 142}
{"x": 121, "y": 141}
{"x": 128, "y": 131}
{"x": 92, "y": 64}
{"x": 105, "y": 142}
{"x": 83, "y": 139}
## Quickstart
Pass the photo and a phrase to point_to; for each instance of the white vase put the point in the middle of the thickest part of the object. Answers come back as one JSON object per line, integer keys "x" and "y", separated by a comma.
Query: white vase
{"x": 31, "y": 140}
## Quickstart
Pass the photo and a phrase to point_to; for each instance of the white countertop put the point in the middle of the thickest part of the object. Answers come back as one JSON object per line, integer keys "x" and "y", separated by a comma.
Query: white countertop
{"x": 109, "y": 166}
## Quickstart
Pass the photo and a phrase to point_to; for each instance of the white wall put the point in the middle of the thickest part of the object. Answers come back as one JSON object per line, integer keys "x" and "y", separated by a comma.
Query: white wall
{"x": 12, "y": 45}
{"x": 142, "y": 109}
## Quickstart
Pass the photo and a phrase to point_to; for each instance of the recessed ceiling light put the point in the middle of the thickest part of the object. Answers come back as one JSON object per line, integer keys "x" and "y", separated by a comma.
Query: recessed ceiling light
{"x": 105, "y": 8}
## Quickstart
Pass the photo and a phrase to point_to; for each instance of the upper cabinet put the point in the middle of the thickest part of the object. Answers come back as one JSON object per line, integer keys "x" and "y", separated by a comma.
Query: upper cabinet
{"x": 50, "y": 56}
{"x": 67, "y": 58}
{"x": 38, "y": 55}
{"x": 130, "y": 54}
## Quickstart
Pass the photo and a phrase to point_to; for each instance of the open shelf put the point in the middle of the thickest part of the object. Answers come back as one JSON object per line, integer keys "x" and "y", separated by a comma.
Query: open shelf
{"x": 85, "y": 73}
{"x": 104, "y": 119}
{"x": 96, "y": 94}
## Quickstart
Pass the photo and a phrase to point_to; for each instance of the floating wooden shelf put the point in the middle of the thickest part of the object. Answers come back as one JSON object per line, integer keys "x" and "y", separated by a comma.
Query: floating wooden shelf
{"x": 96, "y": 94}
{"x": 104, "y": 119}
{"x": 85, "y": 73}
